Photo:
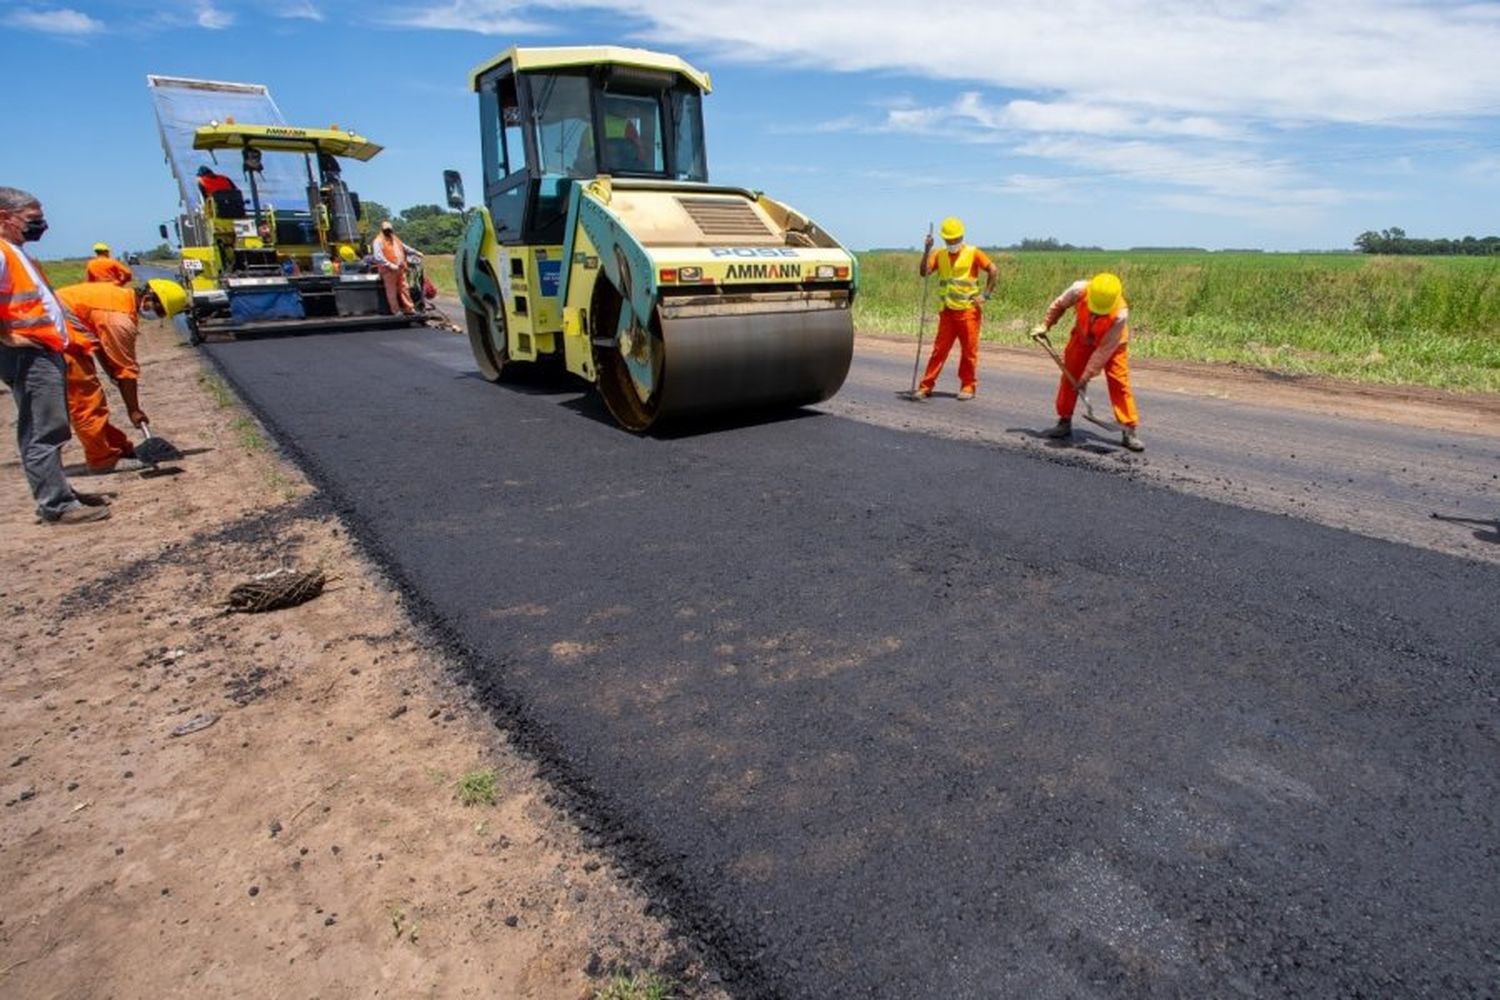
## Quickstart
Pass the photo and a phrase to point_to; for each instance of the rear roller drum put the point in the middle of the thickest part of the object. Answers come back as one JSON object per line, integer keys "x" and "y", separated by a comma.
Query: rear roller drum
{"x": 634, "y": 400}
{"x": 487, "y": 343}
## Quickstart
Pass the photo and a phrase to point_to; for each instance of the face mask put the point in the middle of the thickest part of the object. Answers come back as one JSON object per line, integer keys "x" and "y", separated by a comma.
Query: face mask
{"x": 955, "y": 247}
{"x": 34, "y": 230}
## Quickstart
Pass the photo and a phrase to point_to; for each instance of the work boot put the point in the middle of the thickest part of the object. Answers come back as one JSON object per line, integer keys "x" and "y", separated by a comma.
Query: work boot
{"x": 967, "y": 392}
{"x": 1129, "y": 439}
{"x": 91, "y": 499}
{"x": 80, "y": 515}
{"x": 922, "y": 393}
{"x": 1062, "y": 429}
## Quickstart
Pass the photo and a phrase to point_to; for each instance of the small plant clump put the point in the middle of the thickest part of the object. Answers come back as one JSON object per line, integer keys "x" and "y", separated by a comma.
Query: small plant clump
{"x": 643, "y": 986}
{"x": 477, "y": 788}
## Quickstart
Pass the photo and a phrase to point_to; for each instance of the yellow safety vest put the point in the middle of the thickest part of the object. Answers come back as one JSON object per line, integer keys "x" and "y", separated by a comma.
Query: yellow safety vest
{"x": 957, "y": 286}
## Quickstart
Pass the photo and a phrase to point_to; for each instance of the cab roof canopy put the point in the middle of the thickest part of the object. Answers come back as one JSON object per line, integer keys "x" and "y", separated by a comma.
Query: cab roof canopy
{"x": 525, "y": 60}
{"x": 285, "y": 139}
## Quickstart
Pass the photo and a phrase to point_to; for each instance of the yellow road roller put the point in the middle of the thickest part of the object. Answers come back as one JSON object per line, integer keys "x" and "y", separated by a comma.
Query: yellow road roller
{"x": 602, "y": 248}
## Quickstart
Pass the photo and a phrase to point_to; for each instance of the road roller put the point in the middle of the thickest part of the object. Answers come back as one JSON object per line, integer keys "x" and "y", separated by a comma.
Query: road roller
{"x": 601, "y": 247}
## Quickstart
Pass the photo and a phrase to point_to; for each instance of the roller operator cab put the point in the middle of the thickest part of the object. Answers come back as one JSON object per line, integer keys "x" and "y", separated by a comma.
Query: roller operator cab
{"x": 601, "y": 246}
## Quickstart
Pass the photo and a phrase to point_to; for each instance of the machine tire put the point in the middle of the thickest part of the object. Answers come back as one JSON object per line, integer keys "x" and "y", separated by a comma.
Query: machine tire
{"x": 613, "y": 378}
{"x": 491, "y": 361}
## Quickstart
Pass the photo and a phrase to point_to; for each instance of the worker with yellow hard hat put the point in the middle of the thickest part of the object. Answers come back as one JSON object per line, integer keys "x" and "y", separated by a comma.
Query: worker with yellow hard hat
{"x": 106, "y": 317}
{"x": 1100, "y": 342}
{"x": 957, "y": 266}
{"x": 103, "y": 267}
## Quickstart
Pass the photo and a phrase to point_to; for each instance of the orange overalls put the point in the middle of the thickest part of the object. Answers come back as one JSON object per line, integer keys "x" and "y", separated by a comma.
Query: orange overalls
{"x": 960, "y": 316}
{"x": 107, "y": 270}
{"x": 390, "y": 255}
{"x": 1097, "y": 343}
{"x": 108, "y": 315}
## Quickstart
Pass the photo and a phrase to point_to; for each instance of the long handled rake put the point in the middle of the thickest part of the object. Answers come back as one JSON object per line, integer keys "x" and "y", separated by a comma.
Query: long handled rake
{"x": 921, "y": 323}
{"x": 1040, "y": 336}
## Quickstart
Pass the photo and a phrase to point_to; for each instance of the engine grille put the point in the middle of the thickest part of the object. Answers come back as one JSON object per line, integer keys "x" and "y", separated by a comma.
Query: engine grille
{"x": 724, "y": 217}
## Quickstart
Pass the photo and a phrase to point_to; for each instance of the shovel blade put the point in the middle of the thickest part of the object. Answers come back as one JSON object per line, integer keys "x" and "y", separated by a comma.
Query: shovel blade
{"x": 155, "y": 450}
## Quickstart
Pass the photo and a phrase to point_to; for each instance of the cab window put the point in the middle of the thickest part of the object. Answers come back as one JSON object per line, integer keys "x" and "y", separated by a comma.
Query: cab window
{"x": 632, "y": 135}
{"x": 564, "y": 130}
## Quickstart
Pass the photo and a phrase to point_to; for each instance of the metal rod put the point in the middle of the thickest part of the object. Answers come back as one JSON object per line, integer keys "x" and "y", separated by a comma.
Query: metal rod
{"x": 921, "y": 317}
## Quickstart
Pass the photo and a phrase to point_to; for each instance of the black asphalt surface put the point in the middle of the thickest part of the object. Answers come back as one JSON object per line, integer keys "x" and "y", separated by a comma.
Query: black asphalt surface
{"x": 888, "y": 713}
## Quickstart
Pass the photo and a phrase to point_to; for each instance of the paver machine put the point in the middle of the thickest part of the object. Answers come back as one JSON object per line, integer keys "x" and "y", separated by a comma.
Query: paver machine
{"x": 272, "y": 238}
{"x": 601, "y": 246}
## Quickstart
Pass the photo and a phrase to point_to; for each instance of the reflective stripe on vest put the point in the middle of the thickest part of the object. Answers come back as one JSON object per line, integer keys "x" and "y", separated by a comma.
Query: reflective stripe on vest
{"x": 23, "y": 305}
{"x": 957, "y": 286}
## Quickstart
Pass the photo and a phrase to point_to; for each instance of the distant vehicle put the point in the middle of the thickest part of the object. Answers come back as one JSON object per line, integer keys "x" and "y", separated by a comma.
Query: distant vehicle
{"x": 132, "y": 258}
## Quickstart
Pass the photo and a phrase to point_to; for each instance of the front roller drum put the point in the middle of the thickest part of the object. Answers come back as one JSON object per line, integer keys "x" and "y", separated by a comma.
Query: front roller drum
{"x": 734, "y": 362}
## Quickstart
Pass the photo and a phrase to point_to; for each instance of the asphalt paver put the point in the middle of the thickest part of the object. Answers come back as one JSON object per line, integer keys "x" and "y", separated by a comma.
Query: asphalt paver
{"x": 881, "y": 713}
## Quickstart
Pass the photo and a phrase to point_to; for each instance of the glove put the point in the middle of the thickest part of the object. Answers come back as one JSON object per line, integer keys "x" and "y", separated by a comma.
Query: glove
{"x": 927, "y": 243}
{"x": 1039, "y": 329}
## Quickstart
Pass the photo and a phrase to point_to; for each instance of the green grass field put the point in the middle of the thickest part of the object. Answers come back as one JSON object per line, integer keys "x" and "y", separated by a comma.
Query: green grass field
{"x": 65, "y": 272}
{"x": 1431, "y": 321}
{"x": 1408, "y": 320}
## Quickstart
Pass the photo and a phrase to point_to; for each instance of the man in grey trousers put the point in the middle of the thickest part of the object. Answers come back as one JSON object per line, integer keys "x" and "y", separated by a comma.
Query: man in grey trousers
{"x": 33, "y": 335}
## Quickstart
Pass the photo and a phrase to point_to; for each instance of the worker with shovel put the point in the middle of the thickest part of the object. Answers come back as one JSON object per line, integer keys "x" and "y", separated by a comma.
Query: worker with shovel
{"x": 1099, "y": 343}
{"x": 107, "y": 317}
{"x": 957, "y": 267}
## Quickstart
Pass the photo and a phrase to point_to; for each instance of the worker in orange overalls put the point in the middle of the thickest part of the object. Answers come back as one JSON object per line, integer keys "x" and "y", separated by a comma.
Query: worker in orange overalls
{"x": 107, "y": 317}
{"x": 957, "y": 267}
{"x": 105, "y": 268}
{"x": 393, "y": 257}
{"x": 1100, "y": 342}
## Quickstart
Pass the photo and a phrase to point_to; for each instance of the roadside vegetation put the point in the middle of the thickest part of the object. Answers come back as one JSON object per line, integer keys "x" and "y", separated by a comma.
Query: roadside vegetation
{"x": 1407, "y": 320}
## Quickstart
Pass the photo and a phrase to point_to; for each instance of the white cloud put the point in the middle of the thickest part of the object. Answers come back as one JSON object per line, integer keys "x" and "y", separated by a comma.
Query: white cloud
{"x": 210, "y": 17}
{"x": 302, "y": 10}
{"x": 484, "y": 17}
{"x": 1270, "y": 60}
{"x": 66, "y": 22}
{"x": 1486, "y": 168}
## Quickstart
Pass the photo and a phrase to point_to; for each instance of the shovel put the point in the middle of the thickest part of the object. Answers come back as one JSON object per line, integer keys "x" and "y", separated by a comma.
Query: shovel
{"x": 1040, "y": 336}
{"x": 921, "y": 328}
{"x": 155, "y": 450}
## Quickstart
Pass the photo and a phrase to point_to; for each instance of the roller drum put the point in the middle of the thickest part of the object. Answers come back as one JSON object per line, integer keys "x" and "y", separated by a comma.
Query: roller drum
{"x": 750, "y": 361}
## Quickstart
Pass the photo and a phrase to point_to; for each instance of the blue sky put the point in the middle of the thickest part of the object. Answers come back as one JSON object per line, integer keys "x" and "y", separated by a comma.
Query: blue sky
{"x": 1278, "y": 124}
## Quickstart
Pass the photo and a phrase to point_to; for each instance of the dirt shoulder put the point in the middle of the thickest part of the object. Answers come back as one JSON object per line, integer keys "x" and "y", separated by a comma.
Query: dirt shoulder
{"x": 309, "y": 840}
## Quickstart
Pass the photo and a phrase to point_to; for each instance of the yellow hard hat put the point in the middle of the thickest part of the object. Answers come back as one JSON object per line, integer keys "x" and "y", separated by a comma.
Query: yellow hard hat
{"x": 101, "y": 248}
{"x": 347, "y": 254}
{"x": 1103, "y": 293}
{"x": 952, "y": 229}
{"x": 170, "y": 294}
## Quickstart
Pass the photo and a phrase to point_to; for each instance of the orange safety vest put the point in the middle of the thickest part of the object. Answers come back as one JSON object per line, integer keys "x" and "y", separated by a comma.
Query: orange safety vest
{"x": 957, "y": 286}
{"x": 391, "y": 251}
{"x": 23, "y": 308}
{"x": 82, "y": 300}
{"x": 1096, "y": 327}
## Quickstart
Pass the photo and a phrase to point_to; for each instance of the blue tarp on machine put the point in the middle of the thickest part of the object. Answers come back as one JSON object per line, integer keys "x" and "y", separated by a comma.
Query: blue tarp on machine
{"x": 257, "y": 307}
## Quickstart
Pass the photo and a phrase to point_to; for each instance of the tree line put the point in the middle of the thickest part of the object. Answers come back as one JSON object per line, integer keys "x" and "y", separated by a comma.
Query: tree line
{"x": 1395, "y": 241}
{"x": 427, "y": 228}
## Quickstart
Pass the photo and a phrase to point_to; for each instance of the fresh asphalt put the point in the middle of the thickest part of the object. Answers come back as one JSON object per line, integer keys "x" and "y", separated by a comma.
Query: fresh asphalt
{"x": 899, "y": 712}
